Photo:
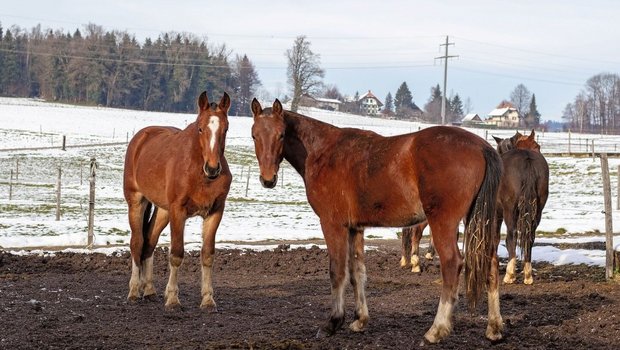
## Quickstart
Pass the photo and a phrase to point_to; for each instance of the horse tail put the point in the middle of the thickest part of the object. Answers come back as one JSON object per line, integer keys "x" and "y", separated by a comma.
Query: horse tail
{"x": 480, "y": 238}
{"x": 147, "y": 222}
{"x": 527, "y": 211}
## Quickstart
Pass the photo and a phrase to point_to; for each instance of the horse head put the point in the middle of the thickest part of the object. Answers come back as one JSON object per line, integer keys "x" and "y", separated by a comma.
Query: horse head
{"x": 212, "y": 125}
{"x": 268, "y": 134}
{"x": 505, "y": 145}
{"x": 528, "y": 142}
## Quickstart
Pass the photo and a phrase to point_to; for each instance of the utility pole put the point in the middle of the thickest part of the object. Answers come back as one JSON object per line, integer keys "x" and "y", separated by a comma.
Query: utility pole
{"x": 445, "y": 79}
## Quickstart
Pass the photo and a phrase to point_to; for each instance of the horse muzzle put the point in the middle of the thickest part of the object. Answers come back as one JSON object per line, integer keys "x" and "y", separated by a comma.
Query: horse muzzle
{"x": 212, "y": 173}
{"x": 269, "y": 183}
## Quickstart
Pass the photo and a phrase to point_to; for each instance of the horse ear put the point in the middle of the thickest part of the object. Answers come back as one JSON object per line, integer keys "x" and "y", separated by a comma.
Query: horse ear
{"x": 225, "y": 102}
{"x": 256, "y": 108}
{"x": 203, "y": 101}
{"x": 531, "y": 137}
{"x": 498, "y": 140}
{"x": 277, "y": 107}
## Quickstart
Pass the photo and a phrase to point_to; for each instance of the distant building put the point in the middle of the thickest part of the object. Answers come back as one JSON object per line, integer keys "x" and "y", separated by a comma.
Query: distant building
{"x": 507, "y": 117}
{"x": 369, "y": 104}
{"x": 471, "y": 119}
{"x": 320, "y": 102}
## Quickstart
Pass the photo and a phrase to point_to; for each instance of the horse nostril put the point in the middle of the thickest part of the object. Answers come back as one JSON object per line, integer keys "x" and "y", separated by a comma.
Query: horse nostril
{"x": 212, "y": 173}
{"x": 269, "y": 183}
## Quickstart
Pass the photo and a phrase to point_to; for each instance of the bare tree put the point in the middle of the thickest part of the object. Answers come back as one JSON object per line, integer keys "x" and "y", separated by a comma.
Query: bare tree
{"x": 520, "y": 97}
{"x": 304, "y": 71}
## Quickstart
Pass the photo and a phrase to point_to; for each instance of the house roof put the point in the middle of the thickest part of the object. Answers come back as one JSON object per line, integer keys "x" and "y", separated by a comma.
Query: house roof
{"x": 327, "y": 100}
{"x": 471, "y": 117}
{"x": 498, "y": 112}
{"x": 369, "y": 94}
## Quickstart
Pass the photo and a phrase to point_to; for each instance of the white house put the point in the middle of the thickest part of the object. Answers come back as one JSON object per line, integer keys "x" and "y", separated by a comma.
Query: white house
{"x": 504, "y": 117}
{"x": 369, "y": 104}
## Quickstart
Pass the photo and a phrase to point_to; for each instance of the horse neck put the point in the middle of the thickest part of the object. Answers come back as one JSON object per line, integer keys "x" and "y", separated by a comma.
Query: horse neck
{"x": 305, "y": 136}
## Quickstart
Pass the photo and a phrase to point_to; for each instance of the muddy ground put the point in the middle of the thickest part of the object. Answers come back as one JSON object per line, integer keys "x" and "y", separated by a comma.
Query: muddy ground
{"x": 278, "y": 299}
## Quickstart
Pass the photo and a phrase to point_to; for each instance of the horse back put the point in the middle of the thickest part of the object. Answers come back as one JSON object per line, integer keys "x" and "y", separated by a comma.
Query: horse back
{"x": 524, "y": 168}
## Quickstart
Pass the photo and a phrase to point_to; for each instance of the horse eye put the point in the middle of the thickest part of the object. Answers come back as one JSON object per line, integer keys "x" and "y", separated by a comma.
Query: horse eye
{"x": 200, "y": 130}
{"x": 253, "y": 137}
{"x": 281, "y": 136}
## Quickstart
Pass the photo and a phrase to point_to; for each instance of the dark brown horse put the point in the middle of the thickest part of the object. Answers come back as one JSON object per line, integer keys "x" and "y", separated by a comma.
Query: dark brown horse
{"x": 522, "y": 196}
{"x": 356, "y": 179}
{"x": 410, "y": 246}
{"x": 182, "y": 173}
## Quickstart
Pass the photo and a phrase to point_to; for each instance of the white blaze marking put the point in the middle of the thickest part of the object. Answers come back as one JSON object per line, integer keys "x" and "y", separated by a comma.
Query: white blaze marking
{"x": 214, "y": 125}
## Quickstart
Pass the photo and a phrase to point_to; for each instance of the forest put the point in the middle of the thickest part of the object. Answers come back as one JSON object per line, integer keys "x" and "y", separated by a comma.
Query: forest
{"x": 113, "y": 69}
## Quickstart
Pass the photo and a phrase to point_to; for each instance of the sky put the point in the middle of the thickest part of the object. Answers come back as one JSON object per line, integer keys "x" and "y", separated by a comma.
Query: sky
{"x": 552, "y": 47}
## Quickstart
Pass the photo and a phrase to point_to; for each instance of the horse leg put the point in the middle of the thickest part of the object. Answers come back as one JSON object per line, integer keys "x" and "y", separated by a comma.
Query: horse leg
{"x": 415, "y": 248}
{"x": 357, "y": 274}
{"x": 451, "y": 263}
{"x": 495, "y": 326}
{"x": 430, "y": 253}
{"x": 336, "y": 240}
{"x": 209, "y": 228}
{"x": 406, "y": 239}
{"x": 511, "y": 246}
{"x": 136, "y": 207}
{"x": 177, "y": 226}
{"x": 527, "y": 262}
{"x": 161, "y": 220}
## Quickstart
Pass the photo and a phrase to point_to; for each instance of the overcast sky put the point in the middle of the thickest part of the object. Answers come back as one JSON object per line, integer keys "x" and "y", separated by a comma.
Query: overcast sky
{"x": 552, "y": 47}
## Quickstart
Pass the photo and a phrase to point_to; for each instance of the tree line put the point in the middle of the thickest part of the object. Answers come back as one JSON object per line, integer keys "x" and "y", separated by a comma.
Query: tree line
{"x": 597, "y": 107}
{"x": 112, "y": 69}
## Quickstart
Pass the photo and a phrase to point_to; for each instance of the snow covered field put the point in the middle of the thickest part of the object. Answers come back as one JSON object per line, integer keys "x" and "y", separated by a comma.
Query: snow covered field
{"x": 252, "y": 213}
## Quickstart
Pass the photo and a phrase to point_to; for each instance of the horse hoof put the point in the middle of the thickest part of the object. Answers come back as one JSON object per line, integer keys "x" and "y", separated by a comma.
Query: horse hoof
{"x": 528, "y": 281}
{"x": 428, "y": 256}
{"x": 509, "y": 280}
{"x": 357, "y": 326}
{"x": 132, "y": 298}
{"x": 209, "y": 308}
{"x": 173, "y": 306}
{"x": 416, "y": 269}
{"x": 403, "y": 262}
{"x": 493, "y": 335}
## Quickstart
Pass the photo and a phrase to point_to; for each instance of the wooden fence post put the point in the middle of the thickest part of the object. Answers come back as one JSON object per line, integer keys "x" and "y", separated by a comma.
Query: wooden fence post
{"x": 593, "y": 155}
{"x": 569, "y": 141}
{"x": 64, "y": 142}
{"x": 618, "y": 194}
{"x": 17, "y": 169}
{"x": 609, "y": 232}
{"x": 91, "y": 202}
{"x": 58, "y": 184}
{"x": 247, "y": 184}
{"x": 11, "y": 186}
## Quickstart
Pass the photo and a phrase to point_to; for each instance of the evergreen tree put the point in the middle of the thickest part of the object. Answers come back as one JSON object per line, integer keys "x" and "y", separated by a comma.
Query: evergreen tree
{"x": 533, "y": 116}
{"x": 433, "y": 106}
{"x": 456, "y": 108}
{"x": 403, "y": 98}
{"x": 246, "y": 82}
{"x": 388, "y": 108}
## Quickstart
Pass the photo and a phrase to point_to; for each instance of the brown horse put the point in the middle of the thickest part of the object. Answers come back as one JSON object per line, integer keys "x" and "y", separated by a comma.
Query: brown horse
{"x": 410, "y": 246}
{"x": 183, "y": 173}
{"x": 356, "y": 179}
{"x": 523, "y": 193}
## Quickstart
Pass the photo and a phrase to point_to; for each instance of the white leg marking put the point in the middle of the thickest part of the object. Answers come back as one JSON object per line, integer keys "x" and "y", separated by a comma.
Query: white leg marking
{"x": 207, "y": 284}
{"x": 442, "y": 326}
{"x": 527, "y": 272}
{"x": 172, "y": 288}
{"x": 495, "y": 325}
{"x": 415, "y": 263}
{"x": 134, "y": 282}
{"x": 510, "y": 271}
{"x": 147, "y": 276}
{"x": 214, "y": 125}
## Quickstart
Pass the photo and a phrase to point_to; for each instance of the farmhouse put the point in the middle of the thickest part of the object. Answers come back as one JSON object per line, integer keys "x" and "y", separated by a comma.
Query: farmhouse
{"x": 507, "y": 117}
{"x": 369, "y": 104}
